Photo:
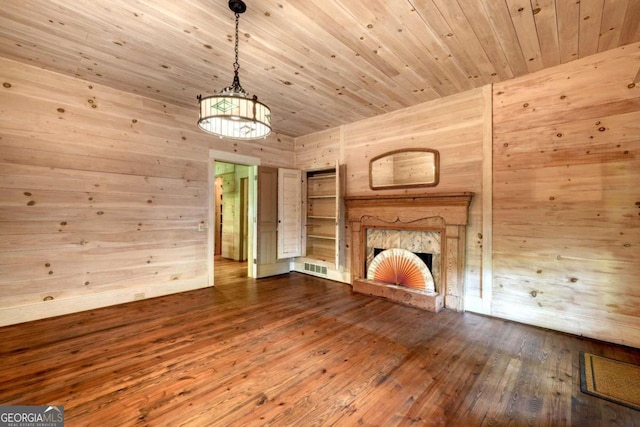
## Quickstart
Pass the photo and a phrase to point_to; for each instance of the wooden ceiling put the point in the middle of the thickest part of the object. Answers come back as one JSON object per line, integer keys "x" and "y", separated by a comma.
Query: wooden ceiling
{"x": 317, "y": 63}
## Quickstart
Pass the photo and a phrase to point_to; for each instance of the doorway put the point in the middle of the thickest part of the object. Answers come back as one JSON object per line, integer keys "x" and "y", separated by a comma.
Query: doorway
{"x": 232, "y": 209}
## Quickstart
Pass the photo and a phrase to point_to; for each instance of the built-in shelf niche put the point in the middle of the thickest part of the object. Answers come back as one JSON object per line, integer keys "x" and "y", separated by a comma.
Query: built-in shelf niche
{"x": 324, "y": 223}
{"x": 322, "y": 214}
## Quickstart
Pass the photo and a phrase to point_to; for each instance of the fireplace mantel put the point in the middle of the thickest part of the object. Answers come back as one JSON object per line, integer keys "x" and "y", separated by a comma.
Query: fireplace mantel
{"x": 446, "y": 213}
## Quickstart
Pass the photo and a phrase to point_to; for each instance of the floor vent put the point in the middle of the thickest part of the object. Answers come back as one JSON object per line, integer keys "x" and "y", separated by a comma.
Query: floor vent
{"x": 315, "y": 268}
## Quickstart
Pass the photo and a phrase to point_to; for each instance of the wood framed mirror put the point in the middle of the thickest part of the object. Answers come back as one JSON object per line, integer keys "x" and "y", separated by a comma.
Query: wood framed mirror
{"x": 405, "y": 168}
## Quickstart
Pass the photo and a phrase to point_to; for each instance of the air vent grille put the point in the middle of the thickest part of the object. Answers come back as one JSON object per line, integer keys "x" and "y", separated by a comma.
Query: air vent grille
{"x": 315, "y": 268}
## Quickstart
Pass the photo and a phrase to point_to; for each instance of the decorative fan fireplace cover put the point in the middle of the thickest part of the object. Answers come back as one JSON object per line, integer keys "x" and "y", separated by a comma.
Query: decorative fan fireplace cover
{"x": 401, "y": 267}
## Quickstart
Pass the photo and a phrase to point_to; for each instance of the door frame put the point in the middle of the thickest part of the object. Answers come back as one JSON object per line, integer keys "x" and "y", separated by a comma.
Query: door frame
{"x": 253, "y": 162}
{"x": 243, "y": 250}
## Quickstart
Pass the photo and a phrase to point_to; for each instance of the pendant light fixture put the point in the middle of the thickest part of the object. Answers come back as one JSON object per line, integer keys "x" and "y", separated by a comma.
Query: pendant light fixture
{"x": 233, "y": 113}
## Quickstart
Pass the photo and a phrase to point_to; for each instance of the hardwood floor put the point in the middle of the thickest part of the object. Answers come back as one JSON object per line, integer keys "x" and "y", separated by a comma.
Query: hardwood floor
{"x": 298, "y": 350}
{"x": 225, "y": 269}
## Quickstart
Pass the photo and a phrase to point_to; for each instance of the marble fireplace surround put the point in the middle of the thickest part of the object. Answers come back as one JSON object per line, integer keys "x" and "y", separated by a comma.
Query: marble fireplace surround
{"x": 445, "y": 213}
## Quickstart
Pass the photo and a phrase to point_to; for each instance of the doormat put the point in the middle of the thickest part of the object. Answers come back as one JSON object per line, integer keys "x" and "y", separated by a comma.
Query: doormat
{"x": 610, "y": 379}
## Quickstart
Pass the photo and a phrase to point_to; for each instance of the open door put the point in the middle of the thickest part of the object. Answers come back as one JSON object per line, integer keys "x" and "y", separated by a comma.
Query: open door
{"x": 267, "y": 262}
{"x": 289, "y": 213}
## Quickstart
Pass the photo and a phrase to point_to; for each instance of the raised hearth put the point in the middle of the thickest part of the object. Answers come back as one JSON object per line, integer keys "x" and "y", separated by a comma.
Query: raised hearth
{"x": 441, "y": 215}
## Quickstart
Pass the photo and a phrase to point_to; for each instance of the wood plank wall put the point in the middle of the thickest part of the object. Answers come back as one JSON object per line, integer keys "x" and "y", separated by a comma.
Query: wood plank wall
{"x": 565, "y": 225}
{"x": 566, "y": 207}
{"x": 319, "y": 150}
{"x": 453, "y": 126}
{"x": 101, "y": 194}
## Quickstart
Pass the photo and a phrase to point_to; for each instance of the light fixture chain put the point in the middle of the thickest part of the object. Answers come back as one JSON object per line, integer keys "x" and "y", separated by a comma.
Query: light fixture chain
{"x": 236, "y": 65}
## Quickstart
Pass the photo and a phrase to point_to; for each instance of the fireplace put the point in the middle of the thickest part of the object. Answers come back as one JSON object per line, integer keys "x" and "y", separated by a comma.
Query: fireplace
{"x": 409, "y": 249}
{"x": 416, "y": 242}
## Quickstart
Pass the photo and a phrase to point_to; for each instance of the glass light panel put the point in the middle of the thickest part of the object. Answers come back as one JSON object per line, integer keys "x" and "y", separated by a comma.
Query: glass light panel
{"x": 236, "y": 117}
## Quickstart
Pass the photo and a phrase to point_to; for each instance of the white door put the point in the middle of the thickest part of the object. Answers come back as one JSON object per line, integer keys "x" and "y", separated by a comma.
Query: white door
{"x": 267, "y": 262}
{"x": 289, "y": 213}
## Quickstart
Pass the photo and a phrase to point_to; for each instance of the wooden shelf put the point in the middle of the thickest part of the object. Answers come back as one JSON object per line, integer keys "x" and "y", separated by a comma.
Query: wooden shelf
{"x": 321, "y": 236}
{"x": 321, "y": 176}
{"x": 325, "y": 196}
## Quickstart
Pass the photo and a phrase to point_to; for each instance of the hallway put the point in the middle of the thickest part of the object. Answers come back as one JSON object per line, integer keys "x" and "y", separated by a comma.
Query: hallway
{"x": 225, "y": 269}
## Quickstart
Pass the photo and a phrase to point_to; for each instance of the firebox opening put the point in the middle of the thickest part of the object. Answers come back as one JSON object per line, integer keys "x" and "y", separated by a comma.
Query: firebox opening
{"x": 427, "y": 258}
{"x": 400, "y": 267}
{"x": 423, "y": 244}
